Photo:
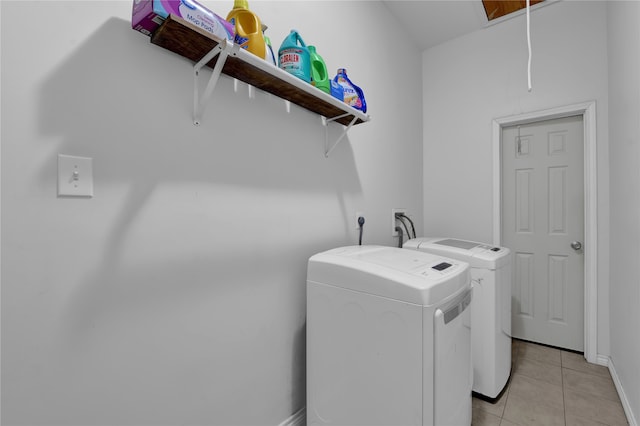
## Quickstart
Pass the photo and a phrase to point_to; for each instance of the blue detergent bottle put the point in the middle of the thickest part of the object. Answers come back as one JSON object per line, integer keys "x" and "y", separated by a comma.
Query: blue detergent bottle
{"x": 336, "y": 90}
{"x": 353, "y": 95}
{"x": 293, "y": 57}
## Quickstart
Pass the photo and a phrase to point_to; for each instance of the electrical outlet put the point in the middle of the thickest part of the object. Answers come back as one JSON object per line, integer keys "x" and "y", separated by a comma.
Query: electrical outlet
{"x": 359, "y": 215}
{"x": 394, "y": 222}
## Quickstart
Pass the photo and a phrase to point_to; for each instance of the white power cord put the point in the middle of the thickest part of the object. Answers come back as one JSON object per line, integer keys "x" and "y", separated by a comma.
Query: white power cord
{"x": 529, "y": 45}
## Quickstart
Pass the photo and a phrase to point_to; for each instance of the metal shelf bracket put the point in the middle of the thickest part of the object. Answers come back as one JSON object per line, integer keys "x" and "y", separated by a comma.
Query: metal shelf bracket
{"x": 222, "y": 50}
{"x": 328, "y": 150}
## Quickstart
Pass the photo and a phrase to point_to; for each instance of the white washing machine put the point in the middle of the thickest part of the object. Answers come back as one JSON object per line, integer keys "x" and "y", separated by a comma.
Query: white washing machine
{"x": 491, "y": 310}
{"x": 388, "y": 338}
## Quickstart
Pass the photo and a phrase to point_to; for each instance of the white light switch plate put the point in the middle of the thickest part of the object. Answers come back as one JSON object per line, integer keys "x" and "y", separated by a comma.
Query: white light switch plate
{"x": 75, "y": 176}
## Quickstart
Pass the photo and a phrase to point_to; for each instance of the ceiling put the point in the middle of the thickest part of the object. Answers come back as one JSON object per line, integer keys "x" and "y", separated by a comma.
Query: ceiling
{"x": 431, "y": 22}
{"x": 498, "y": 8}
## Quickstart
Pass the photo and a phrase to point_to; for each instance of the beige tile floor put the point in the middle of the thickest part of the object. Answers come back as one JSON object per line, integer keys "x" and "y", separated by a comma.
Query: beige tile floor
{"x": 550, "y": 387}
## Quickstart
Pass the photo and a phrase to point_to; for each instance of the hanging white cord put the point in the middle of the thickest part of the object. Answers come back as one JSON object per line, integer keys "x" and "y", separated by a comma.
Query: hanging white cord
{"x": 529, "y": 45}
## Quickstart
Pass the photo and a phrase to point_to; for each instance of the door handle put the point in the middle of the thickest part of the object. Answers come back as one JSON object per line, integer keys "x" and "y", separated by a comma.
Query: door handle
{"x": 576, "y": 245}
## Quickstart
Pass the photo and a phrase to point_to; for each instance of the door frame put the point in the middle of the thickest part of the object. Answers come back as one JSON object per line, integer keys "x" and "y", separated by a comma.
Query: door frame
{"x": 588, "y": 112}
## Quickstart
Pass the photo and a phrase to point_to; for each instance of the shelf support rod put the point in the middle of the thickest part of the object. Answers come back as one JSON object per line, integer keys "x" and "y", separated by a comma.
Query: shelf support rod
{"x": 221, "y": 50}
{"x": 344, "y": 133}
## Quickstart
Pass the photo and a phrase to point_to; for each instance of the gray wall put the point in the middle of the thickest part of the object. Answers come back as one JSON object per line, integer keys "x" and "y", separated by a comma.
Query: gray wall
{"x": 176, "y": 295}
{"x": 474, "y": 79}
{"x": 624, "y": 131}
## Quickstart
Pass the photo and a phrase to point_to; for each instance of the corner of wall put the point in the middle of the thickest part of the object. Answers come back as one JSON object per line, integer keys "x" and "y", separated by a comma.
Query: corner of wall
{"x": 296, "y": 419}
{"x": 607, "y": 361}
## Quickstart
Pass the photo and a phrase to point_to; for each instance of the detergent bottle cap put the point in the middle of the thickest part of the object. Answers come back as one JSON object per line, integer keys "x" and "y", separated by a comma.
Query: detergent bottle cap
{"x": 312, "y": 49}
{"x": 240, "y": 4}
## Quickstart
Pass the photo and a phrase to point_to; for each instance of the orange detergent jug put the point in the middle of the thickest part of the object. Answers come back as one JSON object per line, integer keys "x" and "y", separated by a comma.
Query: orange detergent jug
{"x": 248, "y": 29}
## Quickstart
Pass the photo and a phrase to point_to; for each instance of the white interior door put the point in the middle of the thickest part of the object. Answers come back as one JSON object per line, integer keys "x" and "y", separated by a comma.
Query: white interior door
{"x": 543, "y": 225}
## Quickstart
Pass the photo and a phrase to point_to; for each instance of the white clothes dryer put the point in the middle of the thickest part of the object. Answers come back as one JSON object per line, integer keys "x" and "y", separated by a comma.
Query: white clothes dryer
{"x": 388, "y": 338}
{"x": 491, "y": 310}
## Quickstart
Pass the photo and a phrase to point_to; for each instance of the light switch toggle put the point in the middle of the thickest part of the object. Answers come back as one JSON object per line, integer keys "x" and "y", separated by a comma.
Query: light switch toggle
{"x": 75, "y": 176}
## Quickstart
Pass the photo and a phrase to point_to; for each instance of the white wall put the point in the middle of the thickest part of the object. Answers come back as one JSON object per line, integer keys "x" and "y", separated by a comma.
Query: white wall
{"x": 176, "y": 295}
{"x": 474, "y": 79}
{"x": 624, "y": 128}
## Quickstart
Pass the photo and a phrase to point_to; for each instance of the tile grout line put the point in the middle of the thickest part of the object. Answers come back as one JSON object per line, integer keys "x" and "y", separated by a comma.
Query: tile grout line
{"x": 571, "y": 367}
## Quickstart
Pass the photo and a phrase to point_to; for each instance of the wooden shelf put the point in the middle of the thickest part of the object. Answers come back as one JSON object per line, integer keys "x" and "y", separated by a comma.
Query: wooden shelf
{"x": 191, "y": 42}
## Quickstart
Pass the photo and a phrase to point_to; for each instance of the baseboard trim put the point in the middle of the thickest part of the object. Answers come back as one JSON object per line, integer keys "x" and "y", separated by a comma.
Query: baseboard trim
{"x": 299, "y": 418}
{"x": 606, "y": 361}
{"x": 603, "y": 360}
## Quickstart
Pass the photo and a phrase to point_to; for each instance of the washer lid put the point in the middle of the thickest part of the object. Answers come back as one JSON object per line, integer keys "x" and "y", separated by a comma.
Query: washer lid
{"x": 406, "y": 275}
{"x": 478, "y": 255}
